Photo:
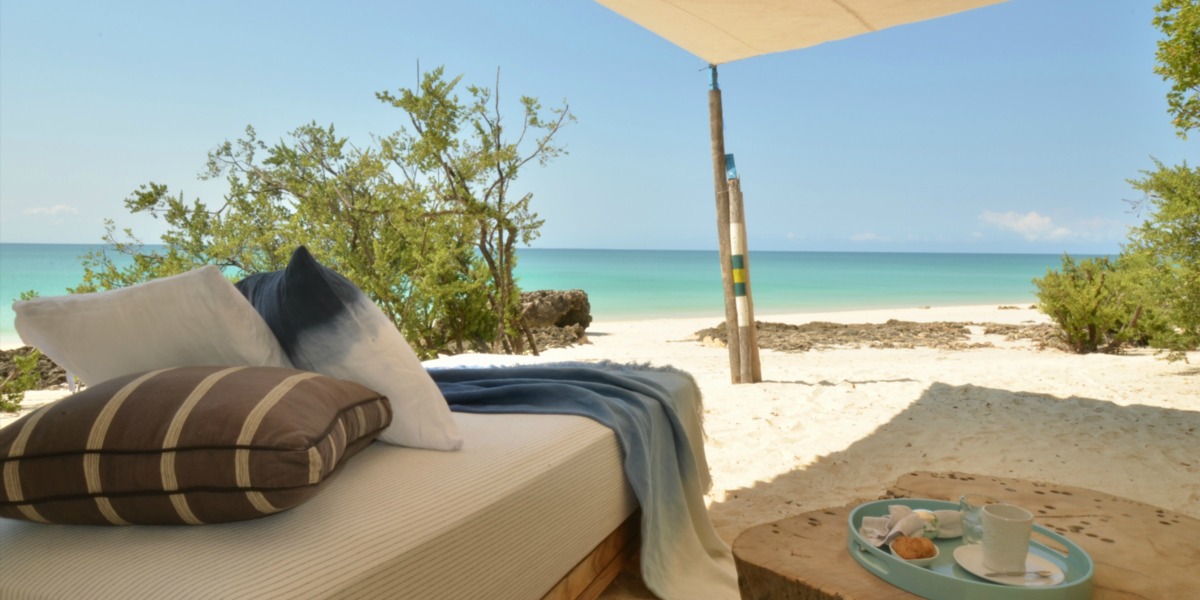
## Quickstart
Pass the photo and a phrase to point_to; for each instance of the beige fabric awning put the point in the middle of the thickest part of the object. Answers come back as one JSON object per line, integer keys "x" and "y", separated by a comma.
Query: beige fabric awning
{"x": 721, "y": 31}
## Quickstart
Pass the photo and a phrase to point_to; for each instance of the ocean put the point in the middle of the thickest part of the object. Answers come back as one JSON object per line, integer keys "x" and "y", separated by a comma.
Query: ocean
{"x": 648, "y": 284}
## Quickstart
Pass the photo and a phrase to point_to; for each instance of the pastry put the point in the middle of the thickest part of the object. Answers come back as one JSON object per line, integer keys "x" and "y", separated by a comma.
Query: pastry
{"x": 910, "y": 548}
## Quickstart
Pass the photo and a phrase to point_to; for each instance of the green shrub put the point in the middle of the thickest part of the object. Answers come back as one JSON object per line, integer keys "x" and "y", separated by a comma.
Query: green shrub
{"x": 1095, "y": 302}
{"x": 23, "y": 377}
{"x": 1167, "y": 244}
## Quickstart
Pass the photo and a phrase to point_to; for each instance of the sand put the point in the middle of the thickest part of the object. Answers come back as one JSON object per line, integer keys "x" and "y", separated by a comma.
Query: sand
{"x": 831, "y": 427}
{"x": 834, "y": 426}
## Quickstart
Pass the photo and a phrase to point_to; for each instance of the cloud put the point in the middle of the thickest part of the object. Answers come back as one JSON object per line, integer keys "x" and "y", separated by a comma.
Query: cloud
{"x": 867, "y": 236}
{"x": 57, "y": 210}
{"x": 1031, "y": 225}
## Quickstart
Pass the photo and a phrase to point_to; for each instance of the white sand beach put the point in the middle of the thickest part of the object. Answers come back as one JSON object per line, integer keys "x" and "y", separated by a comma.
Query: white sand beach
{"x": 829, "y": 427}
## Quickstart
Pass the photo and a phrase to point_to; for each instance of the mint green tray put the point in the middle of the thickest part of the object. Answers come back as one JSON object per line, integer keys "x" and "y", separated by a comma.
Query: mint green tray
{"x": 945, "y": 580}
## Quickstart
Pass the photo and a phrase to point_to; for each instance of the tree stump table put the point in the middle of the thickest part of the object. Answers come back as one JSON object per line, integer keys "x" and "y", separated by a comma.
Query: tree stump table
{"x": 1139, "y": 551}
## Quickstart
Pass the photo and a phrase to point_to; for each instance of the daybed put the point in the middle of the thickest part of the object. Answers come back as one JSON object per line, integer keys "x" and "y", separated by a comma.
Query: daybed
{"x": 268, "y": 457}
{"x": 523, "y": 504}
{"x": 532, "y": 506}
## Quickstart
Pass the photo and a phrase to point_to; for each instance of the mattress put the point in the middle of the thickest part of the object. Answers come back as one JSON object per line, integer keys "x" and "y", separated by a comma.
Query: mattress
{"x": 526, "y": 499}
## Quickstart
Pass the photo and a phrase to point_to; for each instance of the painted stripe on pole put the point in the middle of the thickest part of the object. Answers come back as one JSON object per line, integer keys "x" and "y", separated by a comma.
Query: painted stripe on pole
{"x": 743, "y": 309}
{"x": 738, "y": 262}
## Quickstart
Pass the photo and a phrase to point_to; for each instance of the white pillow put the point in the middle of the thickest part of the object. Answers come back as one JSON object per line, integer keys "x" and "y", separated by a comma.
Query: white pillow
{"x": 192, "y": 319}
{"x": 326, "y": 324}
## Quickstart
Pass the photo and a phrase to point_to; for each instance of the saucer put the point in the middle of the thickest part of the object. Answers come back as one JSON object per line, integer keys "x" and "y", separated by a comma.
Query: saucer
{"x": 970, "y": 557}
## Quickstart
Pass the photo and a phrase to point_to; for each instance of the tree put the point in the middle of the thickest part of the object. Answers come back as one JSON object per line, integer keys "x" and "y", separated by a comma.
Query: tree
{"x": 473, "y": 175}
{"x": 1151, "y": 294}
{"x": 1177, "y": 60}
{"x": 1169, "y": 241}
{"x": 411, "y": 221}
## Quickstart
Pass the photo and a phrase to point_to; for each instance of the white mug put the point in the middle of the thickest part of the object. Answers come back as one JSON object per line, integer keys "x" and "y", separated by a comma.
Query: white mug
{"x": 1006, "y": 530}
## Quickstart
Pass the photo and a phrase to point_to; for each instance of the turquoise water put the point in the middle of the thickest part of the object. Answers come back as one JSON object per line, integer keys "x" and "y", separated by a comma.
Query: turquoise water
{"x": 658, "y": 283}
{"x": 644, "y": 284}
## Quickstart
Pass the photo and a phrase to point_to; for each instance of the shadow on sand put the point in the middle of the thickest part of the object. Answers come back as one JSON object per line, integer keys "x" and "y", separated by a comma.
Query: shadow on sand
{"x": 1102, "y": 445}
{"x": 1074, "y": 441}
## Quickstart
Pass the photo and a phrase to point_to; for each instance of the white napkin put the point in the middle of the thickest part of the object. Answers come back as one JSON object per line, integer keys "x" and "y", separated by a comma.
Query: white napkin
{"x": 903, "y": 520}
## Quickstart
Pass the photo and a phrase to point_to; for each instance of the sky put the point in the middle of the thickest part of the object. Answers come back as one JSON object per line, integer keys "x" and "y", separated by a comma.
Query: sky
{"x": 1010, "y": 128}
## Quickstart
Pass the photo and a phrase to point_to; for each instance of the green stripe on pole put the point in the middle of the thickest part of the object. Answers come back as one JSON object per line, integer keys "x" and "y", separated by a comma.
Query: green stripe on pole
{"x": 738, "y": 262}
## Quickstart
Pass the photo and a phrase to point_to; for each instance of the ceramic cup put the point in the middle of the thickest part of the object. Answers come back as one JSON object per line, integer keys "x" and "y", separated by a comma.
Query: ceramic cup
{"x": 1006, "y": 530}
{"x": 970, "y": 505}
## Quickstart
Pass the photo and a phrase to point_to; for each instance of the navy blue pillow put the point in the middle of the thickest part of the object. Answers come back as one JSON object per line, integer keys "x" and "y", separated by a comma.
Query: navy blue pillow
{"x": 304, "y": 296}
{"x": 327, "y": 324}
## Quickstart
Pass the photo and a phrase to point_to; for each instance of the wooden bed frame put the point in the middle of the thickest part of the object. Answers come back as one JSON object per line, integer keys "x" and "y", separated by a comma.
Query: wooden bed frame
{"x": 596, "y": 571}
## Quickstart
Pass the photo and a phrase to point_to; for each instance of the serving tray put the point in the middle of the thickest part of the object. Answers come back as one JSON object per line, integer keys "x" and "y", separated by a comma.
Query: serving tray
{"x": 946, "y": 580}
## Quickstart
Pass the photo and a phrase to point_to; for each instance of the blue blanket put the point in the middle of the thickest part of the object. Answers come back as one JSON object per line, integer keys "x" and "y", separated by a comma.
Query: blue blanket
{"x": 682, "y": 556}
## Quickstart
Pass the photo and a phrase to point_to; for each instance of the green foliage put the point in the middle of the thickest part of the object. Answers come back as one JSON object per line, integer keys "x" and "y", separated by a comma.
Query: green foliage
{"x": 1178, "y": 59}
{"x": 1094, "y": 302}
{"x": 422, "y": 223}
{"x": 1151, "y": 295}
{"x": 472, "y": 175}
{"x": 24, "y": 374}
{"x": 1168, "y": 243}
{"x": 23, "y": 377}
{"x": 1166, "y": 247}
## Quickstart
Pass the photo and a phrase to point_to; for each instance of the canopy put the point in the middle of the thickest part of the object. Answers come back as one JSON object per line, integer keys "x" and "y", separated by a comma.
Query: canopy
{"x": 721, "y": 31}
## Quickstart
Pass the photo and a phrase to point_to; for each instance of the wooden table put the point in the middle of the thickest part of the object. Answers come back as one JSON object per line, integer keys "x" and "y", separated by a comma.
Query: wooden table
{"x": 1140, "y": 551}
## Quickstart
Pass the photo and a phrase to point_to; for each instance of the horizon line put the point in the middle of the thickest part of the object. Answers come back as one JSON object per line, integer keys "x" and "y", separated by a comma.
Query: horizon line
{"x": 752, "y": 251}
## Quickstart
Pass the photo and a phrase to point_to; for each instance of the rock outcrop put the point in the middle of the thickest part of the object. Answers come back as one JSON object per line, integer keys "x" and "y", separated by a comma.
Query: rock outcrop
{"x": 944, "y": 335}
{"x": 556, "y": 308}
{"x": 557, "y": 318}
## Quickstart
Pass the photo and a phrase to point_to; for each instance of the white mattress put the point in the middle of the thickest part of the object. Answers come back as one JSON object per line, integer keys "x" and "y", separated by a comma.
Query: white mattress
{"x": 524, "y": 501}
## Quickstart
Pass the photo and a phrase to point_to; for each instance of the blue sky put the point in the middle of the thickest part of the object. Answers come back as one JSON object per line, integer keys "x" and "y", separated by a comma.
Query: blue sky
{"x": 1011, "y": 128}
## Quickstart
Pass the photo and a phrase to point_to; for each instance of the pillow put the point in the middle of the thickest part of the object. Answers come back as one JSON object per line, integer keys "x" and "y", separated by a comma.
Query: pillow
{"x": 195, "y": 318}
{"x": 188, "y": 445}
{"x": 326, "y": 324}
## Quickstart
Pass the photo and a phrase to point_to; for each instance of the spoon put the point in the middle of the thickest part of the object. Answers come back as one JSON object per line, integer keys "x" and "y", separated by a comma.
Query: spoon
{"x": 1018, "y": 573}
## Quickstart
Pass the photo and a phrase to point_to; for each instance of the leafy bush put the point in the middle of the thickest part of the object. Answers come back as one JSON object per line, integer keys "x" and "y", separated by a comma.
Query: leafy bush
{"x": 23, "y": 377}
{"x": 1095, "y": 302}
{"x": 1168, "y": 246}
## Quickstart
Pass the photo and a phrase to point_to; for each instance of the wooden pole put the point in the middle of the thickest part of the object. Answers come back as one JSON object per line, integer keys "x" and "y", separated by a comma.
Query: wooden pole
{"x": 716, "y": 127}
{"x": 749, "y": 365}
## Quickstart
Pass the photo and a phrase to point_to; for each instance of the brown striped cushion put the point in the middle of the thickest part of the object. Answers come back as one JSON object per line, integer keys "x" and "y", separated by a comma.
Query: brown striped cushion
{"x": 187, "y": 445}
